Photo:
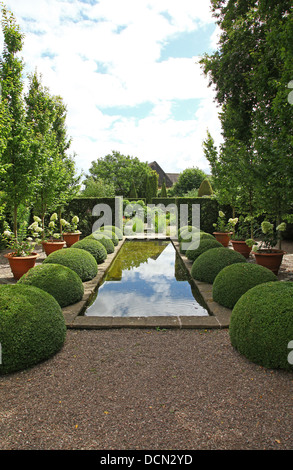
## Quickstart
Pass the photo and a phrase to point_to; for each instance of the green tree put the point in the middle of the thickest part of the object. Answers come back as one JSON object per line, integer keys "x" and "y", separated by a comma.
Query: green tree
{"x": 132, "y": 192}
{"x": 164, "y": 189}
{"x": 16, "y": 156}
{"x": 250, "y": 72}
{"x": 97, "y": 188}
{"x": 151, "y": 189}
{"x": 205, "y": 188}
{"x": 121, "y": 170}
{"x": 189, "y": 179}
{"x": 56, "y": 177}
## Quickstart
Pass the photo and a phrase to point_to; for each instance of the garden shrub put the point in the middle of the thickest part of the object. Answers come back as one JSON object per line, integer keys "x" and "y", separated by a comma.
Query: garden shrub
{"x": 105, "y": 240}
{"x": 135, "y": 225}
{"x": 109, "y": 234}
{"x": 32, "y": 327}
{"x": 261, "y": 324}
{"x": 205, "y": 188}
{"x": 186, "y": 228}
{"x": 206, "y": 267}
{"x": 195, "y": 250}
{"x": 234, "y": 280}
{"x": 60, "y": 281}
{"x": 188, "y": 239}
{"x": 94, "y": 247}
{"x": 80, "y": 261}
{"x": 186, "y": 235}
{"x": 117, "y": 231}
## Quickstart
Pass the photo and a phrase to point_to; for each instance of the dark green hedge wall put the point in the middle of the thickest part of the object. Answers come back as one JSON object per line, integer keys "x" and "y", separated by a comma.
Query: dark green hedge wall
{"x": 83, "y": 207}
{"x": 209, "y": 209}
{"x": 163, "y": 200}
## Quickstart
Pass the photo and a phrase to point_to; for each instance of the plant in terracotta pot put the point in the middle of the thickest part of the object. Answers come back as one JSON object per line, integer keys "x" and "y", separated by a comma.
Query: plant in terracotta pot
{"x": 224, "y": 229}
{"x": 265, "y": 252}
{"x": 21, "y": 256}
{"x": 241, "y": 239}
{"x": 70, "y": 234}
{"x": 51, "y": 237}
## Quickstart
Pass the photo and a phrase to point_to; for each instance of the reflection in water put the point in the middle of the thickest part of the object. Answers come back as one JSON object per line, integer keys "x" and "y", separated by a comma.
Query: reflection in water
{"x": 146, "y": 279}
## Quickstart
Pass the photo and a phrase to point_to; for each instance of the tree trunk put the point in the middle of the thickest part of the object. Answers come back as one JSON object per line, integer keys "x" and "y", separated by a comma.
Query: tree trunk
{"x": 15, "y": 220}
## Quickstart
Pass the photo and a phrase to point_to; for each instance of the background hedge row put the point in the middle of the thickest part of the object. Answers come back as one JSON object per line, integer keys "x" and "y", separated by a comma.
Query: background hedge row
{"x": 83, "y": 207}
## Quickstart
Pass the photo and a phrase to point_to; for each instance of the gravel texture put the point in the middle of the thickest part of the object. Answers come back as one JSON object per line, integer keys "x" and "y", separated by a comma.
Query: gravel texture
{"x": 132, "y": 389}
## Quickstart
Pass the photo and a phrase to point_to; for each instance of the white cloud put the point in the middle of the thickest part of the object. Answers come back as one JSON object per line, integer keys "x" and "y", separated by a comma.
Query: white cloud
{"x": 77, "y": 48}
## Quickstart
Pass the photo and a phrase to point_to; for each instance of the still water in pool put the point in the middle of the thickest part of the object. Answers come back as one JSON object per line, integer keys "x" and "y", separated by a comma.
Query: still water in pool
{"x": 146, "y": 279}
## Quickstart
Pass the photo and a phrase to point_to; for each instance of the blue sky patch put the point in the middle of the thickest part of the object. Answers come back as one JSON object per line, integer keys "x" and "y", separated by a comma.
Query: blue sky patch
{"x": 188, "y": 44}
{"x": 102, "y": 67}
{"x": 138, "y": 112}
{"x": 184, "y": 110}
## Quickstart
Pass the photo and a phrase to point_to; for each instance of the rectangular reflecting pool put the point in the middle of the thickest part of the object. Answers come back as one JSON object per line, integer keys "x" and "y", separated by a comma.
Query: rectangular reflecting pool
{"x": 146, "y": 279}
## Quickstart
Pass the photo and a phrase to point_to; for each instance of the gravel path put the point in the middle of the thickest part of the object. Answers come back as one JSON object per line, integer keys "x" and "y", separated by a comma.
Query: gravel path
{"x": 146, "y": 390}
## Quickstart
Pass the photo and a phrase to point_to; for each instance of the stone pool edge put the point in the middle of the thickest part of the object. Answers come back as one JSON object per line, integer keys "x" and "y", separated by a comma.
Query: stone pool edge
{"x": 219, "y": 316}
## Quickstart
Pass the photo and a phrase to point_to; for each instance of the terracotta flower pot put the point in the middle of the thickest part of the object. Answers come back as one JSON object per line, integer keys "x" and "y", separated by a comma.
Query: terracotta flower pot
{"x": 270, "y": 259}
{"x": 49, "y": 247}
{"x": 71, "y": 238}
{"x": 223, "y": 237}
{"x": 20, "y": 265}
{"x": 241, "y": 247}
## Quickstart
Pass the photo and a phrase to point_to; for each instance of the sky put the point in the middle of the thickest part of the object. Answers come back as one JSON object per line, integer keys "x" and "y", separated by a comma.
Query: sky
{"x": 128, "y": 73}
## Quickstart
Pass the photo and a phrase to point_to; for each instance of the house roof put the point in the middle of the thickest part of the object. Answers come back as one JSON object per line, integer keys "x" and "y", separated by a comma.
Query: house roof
{"x": 170, "y": 178}
{"x": 173, "y": 177}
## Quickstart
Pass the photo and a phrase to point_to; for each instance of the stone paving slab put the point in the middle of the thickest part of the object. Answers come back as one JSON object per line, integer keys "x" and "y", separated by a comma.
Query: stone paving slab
{"x": 219, "y": 317}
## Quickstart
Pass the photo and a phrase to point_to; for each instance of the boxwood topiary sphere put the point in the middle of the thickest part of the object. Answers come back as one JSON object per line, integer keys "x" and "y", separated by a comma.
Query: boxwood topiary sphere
{"x": 117, "y": 231}
{"x": 186, "y": 238}
{"x": 189, "y": 228}
{"x": 32, "y": 327}
{"x": 205, "y": 244}
{"x": 60, "y": 281}
{"x": 109, "y": 234}
{"x": 206, "y": 267}
{"x": 234, "y": 280}
{"x": 80, "y": 261}
{"x": 94, "y": 247}
{"x": 105, "y": 240}
{"x": 186, "y": 235}
{"x": 261, "y": 324}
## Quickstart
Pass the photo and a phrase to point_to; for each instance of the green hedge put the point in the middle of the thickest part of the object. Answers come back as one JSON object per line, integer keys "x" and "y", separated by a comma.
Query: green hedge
{"x": 206, "y": 267}
{"x": 234, "y": 280}
{"x": 80, "y": 261}
{"x": 261, "y": 324}
{"x": 163, "y": 200}
{"x": 83, "y": 207}
{"x": 209, "y": 210}
{"x": 60, "y": 281}
{"x": 32, "y": 327}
